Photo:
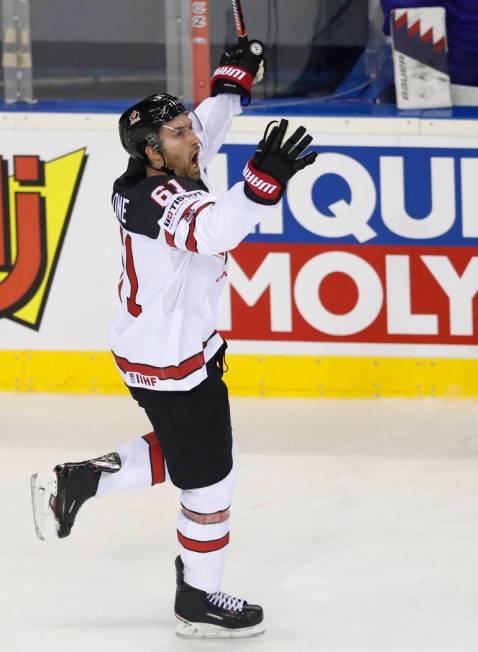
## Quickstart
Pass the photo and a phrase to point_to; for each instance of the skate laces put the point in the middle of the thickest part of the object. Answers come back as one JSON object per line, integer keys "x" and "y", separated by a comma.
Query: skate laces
{"x": 225, "y": 601}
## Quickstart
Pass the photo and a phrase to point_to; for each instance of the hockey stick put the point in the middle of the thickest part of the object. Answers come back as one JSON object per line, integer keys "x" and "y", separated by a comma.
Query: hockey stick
{"x": 241, "y": 30}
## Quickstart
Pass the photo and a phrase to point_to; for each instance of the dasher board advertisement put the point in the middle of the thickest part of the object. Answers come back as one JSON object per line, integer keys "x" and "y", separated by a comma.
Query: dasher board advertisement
{"x": 372, "y": 250}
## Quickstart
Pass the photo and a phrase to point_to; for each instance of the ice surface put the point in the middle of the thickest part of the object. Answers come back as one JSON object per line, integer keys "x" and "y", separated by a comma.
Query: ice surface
{"x": 355, "y": 525}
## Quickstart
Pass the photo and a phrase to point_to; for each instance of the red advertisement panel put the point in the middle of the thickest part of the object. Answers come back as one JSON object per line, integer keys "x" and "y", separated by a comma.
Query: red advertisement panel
{"x": 376, "y": 294}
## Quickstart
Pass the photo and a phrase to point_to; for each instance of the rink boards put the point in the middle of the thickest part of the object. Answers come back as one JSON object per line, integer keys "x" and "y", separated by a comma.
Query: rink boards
{"x": 363, "y": 282}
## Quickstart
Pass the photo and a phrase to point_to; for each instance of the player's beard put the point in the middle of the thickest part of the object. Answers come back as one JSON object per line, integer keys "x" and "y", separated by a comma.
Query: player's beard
{"x": 184, "y": 166}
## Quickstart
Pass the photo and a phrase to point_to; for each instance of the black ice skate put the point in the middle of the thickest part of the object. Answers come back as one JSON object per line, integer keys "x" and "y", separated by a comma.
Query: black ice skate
{"x": 57, "y": 496}
{"x": 213, "y": 615}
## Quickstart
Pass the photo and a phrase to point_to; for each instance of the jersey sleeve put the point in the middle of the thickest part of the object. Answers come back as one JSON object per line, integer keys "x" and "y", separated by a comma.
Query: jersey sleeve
{"x": 202, "y": 223}
{"x": 181, "y": 214}
{"x": 215, "y": 115}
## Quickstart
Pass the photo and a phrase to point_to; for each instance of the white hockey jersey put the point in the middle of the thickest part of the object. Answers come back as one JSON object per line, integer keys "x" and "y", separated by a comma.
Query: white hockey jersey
{"x": 175, "y": 236}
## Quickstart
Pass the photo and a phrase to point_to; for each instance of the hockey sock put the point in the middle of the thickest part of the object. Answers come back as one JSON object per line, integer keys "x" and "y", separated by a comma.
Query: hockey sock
{"x": 142, "y": 465}
{"x": 203, "y": 533}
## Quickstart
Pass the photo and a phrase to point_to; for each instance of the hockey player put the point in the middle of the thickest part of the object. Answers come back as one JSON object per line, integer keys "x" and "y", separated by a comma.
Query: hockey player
{"x": 175, "y": 238}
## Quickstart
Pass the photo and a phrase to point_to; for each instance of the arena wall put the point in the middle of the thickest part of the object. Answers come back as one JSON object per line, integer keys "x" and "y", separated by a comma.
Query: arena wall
{"x": 363, "y": 283}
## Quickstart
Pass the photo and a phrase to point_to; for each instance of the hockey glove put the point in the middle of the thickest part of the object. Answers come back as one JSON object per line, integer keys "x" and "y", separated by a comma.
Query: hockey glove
{"x": 240, "y": 67}
{"x": 267, "y": 173}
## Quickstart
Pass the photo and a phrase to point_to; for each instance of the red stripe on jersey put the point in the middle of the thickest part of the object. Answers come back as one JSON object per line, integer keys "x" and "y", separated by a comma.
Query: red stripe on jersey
{"x": 203, "y": 546}
{"x": 190, "y": 240}
{"x": 121, "y": 279}
{"x": 133, "y": 308}
{"x": 170, "y": 236}
{"x": 169, "y": 239}
{"x": 156, "y": 458}
{"x": 183, "y": 369}
{"x": 191, "y": 244}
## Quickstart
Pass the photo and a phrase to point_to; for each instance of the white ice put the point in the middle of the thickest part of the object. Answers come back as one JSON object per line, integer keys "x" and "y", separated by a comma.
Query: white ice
{"x": 355, "y": 525}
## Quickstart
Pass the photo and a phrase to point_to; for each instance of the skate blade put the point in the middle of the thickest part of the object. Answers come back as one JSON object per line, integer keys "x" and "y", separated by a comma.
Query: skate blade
{"x": 186, "y": 629}
{"x": 44, "y": 490}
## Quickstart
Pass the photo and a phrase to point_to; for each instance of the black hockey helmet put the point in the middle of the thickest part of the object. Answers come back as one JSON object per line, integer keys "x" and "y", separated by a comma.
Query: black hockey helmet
{"x": 139, "y": 125}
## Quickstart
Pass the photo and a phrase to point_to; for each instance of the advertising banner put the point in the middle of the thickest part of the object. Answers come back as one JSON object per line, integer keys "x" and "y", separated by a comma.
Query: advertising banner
{"x": 59, "y": 252}
{"x": 371, "y": 252}
{"x": 374, "y": 244}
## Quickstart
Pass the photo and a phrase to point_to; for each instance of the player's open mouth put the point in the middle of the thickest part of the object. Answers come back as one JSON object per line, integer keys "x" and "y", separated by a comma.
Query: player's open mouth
{"x": 194, "y": 160}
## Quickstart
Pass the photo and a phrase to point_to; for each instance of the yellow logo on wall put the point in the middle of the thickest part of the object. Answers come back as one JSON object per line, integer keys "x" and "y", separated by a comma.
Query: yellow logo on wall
{"x": 36, "y": 203}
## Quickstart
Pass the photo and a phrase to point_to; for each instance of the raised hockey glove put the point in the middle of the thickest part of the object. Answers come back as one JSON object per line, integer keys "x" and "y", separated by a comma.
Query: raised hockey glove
{"x": 267, "y": 173}
{"x": 240, "y": 66}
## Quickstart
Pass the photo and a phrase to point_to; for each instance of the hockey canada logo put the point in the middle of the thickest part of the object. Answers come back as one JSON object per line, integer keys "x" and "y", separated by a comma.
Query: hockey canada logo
{"x": 36, "y": 203}
{"x": 134, "y": 117}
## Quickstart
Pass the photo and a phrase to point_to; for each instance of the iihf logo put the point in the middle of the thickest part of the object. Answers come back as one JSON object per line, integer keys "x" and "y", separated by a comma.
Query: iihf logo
{"x": 36, "y": 203}
{"x": 134, "y": 117}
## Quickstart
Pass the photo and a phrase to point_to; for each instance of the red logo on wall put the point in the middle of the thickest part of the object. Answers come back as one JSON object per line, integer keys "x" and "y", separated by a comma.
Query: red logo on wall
{"x": 36, "y": 203}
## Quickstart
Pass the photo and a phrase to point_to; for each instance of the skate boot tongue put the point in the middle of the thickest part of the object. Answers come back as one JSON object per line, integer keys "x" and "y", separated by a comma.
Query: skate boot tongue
{"x": 225, "y": 601}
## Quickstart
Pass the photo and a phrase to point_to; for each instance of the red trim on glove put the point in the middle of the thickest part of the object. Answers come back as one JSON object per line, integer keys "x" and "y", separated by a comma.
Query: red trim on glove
{"x": 260, "y": 183}
{"x": 235, "y": 74}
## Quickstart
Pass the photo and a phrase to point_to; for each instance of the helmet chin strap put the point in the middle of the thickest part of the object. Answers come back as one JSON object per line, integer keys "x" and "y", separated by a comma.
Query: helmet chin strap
{"x": 153, "y": 141}
{"x": 164, "y": 169}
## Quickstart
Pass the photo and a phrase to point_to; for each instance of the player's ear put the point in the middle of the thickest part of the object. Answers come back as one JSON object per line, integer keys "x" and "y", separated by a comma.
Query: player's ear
{"x": 154, "y": 154}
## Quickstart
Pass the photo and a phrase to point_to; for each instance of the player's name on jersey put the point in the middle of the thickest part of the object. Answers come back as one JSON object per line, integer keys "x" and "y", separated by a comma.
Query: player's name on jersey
{"x": 120, "y": 205}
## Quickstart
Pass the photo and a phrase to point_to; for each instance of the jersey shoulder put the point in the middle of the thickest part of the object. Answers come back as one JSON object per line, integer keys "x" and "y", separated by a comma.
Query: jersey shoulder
{"x": 139, "y": 203}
